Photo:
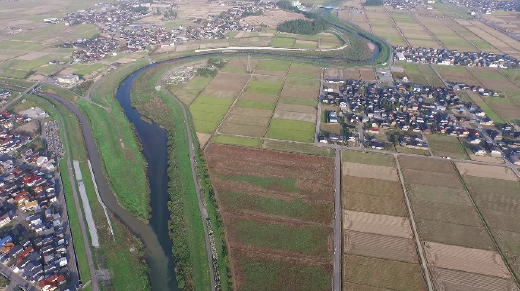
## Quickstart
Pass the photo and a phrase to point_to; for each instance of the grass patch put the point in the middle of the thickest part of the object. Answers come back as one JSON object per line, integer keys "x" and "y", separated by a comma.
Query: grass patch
{"x": 273, "y": 275}
{"x": 308, "y": 149}
{"x": 274, "y": 65}
{"x": 189, "y": 91}
{"x": 308, "y": 240}
{"x": 122, "y": 158}
{"x": 264, "y": 87}
{"x": 303, "y": 82}
{"x": 282, "y": 42}
{"x": 256, "y": 104}
{"x": 291, "y": 130}
{"x": 236, "y": 140}
{"x": 299, "y": 101}
{"x": 449, "y": 146}
{"x": 287, "y": 184}
{"x": 207, "y": 112}
{"x": 368, "y": 158}
{"x": 294, "y": 208}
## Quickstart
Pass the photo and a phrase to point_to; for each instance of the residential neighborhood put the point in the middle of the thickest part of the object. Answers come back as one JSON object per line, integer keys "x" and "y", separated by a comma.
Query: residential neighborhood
{"x": 453, "y": 57}
{"x": 405, "y": 114}
{"x": 34, "y": 234}
{"x": 120, "y": 35}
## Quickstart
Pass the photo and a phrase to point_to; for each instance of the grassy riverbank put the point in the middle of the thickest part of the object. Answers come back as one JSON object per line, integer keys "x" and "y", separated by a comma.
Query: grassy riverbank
{"x": 124, "y": 163}
{"x": 185, "y": 225}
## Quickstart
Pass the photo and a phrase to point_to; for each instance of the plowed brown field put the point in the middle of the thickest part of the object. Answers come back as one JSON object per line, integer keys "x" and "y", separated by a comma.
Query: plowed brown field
{"x": 277, "y": 212}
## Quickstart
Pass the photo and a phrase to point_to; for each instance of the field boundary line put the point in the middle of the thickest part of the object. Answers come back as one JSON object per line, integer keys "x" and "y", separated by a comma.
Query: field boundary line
{"x": 486, "y": 226}
{"x": 420, "y": 248}
{"x": 229, "y": 110}
{"x": 278, "y": 101}
{"x": 396, "y": 27}
{"x": 461, "y": 35}
{"x": 427, "y": 30}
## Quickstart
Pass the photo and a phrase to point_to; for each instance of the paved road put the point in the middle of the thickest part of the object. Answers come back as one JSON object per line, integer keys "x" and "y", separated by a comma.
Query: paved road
{"x": 202, "y": 210}
{"x": 337, "y": 222}
{"x": 90, "y": 261}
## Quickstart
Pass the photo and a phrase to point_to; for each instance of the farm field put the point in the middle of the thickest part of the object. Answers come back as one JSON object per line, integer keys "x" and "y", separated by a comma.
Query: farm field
{"x": 495, "y": 191}
{"x": 446, "y": 146}
{"x": 442, "y": 25}
{"x": 454, "y": 236}
{"x": 324, "y": 40}
{"x": 279, "y": 101}
{"x": 421, "y": 74}
{"x": 278, "y": 216}
{"x": 377, "y": 237}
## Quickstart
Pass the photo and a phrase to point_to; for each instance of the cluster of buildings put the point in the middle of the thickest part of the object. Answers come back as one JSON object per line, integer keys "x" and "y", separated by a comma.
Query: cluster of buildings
{"x": 10, "y": 142}
{"x": 4, "y": 94}
{"x": 404, "y": 4}
{"x": 120, "y": 35}
{"x": 33, "y": 240}
{"x": 453, "y": 57}
{"x": 409, "y": 111}
{"x": 488, "y": 6}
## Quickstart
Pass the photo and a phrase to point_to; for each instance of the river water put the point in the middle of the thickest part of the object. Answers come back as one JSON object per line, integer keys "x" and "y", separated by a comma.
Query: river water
{"x": 153, "y": 140}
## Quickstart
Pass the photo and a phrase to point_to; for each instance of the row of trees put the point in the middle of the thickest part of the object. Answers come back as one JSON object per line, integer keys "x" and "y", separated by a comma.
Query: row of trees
{"x": 302, "y": 26}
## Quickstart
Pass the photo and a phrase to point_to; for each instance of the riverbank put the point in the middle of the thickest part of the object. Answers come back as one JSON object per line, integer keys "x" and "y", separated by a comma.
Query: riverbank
{"x": 185, "y": 225}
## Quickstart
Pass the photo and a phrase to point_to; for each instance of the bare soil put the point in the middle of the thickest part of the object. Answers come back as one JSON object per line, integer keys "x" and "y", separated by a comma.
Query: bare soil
{"x": 466, "y": 259}
{"x": 380, "y": 246}
{"x": 377, "y": 224}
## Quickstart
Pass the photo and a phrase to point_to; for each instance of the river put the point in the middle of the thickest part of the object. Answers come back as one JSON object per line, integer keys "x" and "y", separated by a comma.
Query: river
{"x": 154, "y": 142}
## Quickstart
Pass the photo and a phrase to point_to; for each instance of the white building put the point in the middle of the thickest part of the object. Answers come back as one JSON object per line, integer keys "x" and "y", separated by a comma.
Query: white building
{"x": 68, "y": 79}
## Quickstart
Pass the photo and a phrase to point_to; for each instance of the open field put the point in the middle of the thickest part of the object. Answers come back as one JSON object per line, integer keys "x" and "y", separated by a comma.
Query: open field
{"x": 376, "y": 231}
{"x": 359, "y": 274}
{"x": 495, "y": 193}
{"x": 421, "y": 74}
{"x": 446, "y": 146}
{"x": 453, "y": 233}
{"x": 275, "y": 105}
{"x": 275, "y": 211}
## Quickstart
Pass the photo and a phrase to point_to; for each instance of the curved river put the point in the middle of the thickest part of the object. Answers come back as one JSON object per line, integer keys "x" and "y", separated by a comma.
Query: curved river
{"x": 154, "y": 147}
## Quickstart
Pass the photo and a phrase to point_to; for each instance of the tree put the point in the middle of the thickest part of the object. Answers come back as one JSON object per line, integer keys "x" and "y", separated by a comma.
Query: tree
{"x": 301, "y": 26}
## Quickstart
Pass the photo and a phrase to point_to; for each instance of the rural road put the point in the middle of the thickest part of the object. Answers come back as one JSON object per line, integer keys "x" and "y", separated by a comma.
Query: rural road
{"x": 202, "y": 209}
{"x": 93, "y": 279}
{"x": 337, "y": 222}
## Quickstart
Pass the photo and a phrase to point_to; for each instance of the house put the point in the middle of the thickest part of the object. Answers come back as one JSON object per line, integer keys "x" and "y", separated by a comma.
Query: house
{"x": 474, "y": 140}
{"x": 4, "y": 220}
{"x": 515, "y": 158}
{"x": 68, "y": 79}
{"x": 333, "y": 117}
{"x": 479, "y": 151}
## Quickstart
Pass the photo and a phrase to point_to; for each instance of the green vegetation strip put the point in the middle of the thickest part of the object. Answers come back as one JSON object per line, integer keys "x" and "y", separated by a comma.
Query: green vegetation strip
{"x": 236, "y": 140}
{"x": 308, "y": 240}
